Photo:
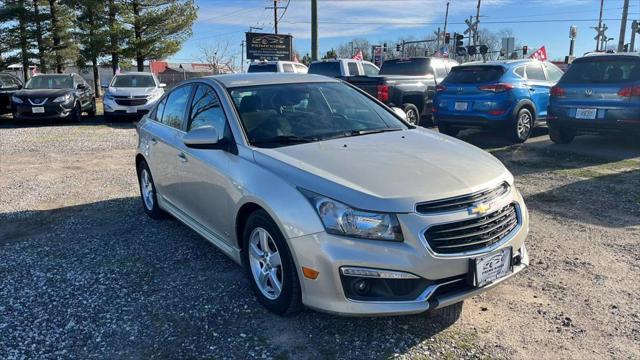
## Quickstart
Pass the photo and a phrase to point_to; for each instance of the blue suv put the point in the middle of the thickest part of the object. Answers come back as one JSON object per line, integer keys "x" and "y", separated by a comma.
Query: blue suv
{"x": 510, "y": 95}
{"x": 599, "y": 93}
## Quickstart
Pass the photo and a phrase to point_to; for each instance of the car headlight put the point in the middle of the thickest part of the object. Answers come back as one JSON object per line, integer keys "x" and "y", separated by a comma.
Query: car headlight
{"x": 16, "y": 100}
{"x": 62, "y": 99}
{"x": 108, "y": 97}
{"x": 154, "y": 96}
{"x": 341, "y": 219}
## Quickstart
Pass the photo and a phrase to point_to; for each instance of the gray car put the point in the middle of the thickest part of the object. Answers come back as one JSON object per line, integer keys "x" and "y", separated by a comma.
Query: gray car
{"x": 328, "y": 198}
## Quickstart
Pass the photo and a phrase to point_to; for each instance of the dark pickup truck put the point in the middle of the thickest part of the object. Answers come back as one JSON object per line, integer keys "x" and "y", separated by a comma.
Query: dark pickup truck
{"x": 409, "y": 84}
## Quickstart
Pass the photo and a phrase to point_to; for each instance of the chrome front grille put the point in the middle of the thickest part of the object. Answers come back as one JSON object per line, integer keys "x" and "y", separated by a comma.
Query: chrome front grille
{"x": 474, "y": 234}
{"x": 127, "y": 101}
{"x": 462, "y": 202}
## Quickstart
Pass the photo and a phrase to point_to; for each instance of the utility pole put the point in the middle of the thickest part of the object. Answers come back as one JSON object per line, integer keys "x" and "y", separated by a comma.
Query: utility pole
{"x": 635, "y": 29}
{"x": 623, "y": 26}
{"x": 446, "y": 18}
{"x": 475, "y": 33}
{"x": 275, "y": 8}
{"x": 598, "y": 38}
{"x": 242, "y": 56}
{"x": 314, "y": 30}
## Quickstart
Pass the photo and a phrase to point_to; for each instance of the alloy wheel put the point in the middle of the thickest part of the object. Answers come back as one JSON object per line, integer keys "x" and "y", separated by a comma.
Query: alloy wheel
{"x": 265, "y": 263}
{"x": 412, "y": 117}
{"x": 147, "y": 189}
{"x": 524, "y": 125}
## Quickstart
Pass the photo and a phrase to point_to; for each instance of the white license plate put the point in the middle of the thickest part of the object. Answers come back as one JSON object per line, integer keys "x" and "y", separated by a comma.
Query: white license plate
{"x": 586, "y": 113}
{"x": 37, "y": 110}
{"x": 461, "y": 106}
{"x": 492, "y": 267}
{"x": 132, "y": 110}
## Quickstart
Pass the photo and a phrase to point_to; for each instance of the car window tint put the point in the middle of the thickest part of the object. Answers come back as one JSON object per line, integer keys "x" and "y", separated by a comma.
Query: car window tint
{"x": 520, "y": 71}
{"x": 254, "y": 68}
{"x": 326, "y": 68}
{"x": 416, "y": 67}
{"x": 353, "y": 69}
{"x": 206, "y": 110}
{"x": 603, "y": 70}
{"x": 8, "y": 82}
{"x": 553, "y": 72}
{"x": 370, "y": 70}
{"x": 301, "y": 69}
{"x": 287, "y": 67}
{"x": 535, "y": 72}
{"x": 475, "y": 74}
{"x": 174, "y": 109}
{"x": 133, "y": 81}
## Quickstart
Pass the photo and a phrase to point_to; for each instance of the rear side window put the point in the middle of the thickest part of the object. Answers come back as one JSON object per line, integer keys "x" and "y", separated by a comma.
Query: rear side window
{"x": 263, "y": 68}
{"x": 301, "y": 69}
{"x": 535, "y": 72}
{"x": 475, "y": 74}
{"x": 608, "y": 70}
{"x": 287, "y": 68}
{"x": 554, "y": 72}
{"x": 328, "y": 68}
{"x": 411, "y": 67}
{"x": 353, "y": 69}
{"x": 520, "y": 71}
{"x": 175, "y": 106}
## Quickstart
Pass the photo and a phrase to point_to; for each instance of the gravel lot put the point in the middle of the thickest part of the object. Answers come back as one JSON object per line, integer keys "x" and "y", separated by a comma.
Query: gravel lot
{"x": 85, "y": 273}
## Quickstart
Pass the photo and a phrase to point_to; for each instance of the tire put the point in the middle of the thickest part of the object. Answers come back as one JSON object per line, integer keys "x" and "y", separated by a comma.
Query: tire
{"x": 560, "y": 136}
{"x": 447, "y": 316}
{"x": 413, "y": 114}
{"x": 521, "y": 126}
{"x": 76, "y": 115}
{"x": 259, "y": 230}
{"x": 448, "y": 130}
{"x": 148, "y": 193}
{"x": 92, "y": 109}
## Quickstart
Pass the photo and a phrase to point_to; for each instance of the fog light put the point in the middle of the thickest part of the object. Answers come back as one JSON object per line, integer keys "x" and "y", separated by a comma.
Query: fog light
{"x": 361, "y": 287}
{"x": 376, "y": 273}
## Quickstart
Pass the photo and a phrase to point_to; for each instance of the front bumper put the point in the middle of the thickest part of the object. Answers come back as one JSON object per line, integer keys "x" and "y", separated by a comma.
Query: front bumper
{"x": 112, "y": 108}
{"x": 444, "y": 274}
{"x": 52, "y": 111}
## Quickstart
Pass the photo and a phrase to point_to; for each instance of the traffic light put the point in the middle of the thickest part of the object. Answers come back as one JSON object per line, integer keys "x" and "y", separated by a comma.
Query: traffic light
{"x": 461, "y": 51}
{"x": 447, "y": 38}
{"x": 458, "y": 38}
{"x": 398, "y": 47}
{"x": 484, "y": 49}
{"x": 471, "y": 50}
{"x": 525, "y": 50}
{"x": 384, "y": 47}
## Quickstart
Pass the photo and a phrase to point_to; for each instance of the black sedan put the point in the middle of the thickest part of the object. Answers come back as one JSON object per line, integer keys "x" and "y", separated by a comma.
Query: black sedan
{"x": 54, "y": 96}
{"x": 9, "y": 84}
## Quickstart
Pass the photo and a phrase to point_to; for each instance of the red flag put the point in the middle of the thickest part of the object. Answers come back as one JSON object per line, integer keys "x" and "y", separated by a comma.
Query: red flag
{"x": 541, "y": 54}
{"x": 358, "y": 56}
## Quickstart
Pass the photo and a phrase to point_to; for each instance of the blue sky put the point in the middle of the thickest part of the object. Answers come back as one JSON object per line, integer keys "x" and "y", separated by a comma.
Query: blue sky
{"x": 222, "y": 23}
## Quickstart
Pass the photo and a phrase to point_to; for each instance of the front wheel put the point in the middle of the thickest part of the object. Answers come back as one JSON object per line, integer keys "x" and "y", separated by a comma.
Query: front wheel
{"x": 148, "y": 192}
{"x": 269, "y": 264}
{"x": 413, "y": 114}
{"x": 76, "y": 114}
{"x": 560, "y": 136}
{"x": 521, "y": 128}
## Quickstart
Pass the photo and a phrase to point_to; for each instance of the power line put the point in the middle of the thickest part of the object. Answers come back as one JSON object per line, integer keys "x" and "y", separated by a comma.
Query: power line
{"x": 450, "y": 23}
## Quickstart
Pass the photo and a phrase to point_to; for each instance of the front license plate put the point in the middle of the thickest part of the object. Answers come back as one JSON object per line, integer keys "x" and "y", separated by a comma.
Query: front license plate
{"x": 492, "y": 267}
{"x": 461, "y": 106}
{"x": 37, "y": 110}
{"x": 132, "y": 110}
{"x": 588, "y": 114}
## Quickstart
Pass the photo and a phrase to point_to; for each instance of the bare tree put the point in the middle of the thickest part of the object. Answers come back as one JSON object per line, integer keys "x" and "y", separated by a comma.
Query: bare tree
{"x": 219, "y": 56}
{"x": 350, "y": 48}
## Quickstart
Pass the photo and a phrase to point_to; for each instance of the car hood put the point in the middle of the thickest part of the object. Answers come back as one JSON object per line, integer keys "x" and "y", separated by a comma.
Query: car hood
{"x": 123, "y": 91}
{"x": 386, "y": 172}
{"x": 43, "y": 92}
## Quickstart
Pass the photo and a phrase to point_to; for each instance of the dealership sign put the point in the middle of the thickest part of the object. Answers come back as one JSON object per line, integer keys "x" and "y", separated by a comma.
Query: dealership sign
{"x": 269, "y": 46}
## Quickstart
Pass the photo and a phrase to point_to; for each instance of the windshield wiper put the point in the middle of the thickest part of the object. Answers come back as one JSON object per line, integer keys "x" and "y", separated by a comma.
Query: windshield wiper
{"x": 284, "y": 139}
{"x": 372, "y": 131}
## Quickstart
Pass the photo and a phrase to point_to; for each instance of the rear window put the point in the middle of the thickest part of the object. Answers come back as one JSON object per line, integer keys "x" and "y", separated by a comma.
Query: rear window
{"x": 474, "y": 74}
{"x": 606, "y": 71}
{"x": 412, "y": 67}
{"x": 329, "y": 68}
{"x": 263, "y": 68}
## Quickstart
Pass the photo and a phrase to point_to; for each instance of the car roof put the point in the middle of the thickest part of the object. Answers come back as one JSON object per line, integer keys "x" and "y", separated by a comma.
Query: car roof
{"x": 135, "y": 73}
{"x": 253, "y": 79}
{"x": 595, "y": 55}
{"x": 505, "y": 63}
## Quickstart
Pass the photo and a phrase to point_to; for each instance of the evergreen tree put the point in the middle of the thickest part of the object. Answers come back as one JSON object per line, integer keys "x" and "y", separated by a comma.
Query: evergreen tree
{"x": 16, "y": 42}
{"x": 92, "y": 34}
{"x": 65, "y": 49}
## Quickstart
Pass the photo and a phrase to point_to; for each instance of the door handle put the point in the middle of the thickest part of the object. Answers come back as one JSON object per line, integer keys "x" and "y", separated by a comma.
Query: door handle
{"x": 153, "y": 141}
{"x": 532, "y": 89}
{"x": 182, "y": 157}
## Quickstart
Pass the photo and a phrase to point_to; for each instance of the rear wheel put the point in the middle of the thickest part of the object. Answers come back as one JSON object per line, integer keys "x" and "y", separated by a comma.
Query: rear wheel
{"x": 76, "y": 114}
{"x": 269, "y": 264}
{"x": 521, "y": 127}
{"x": 413, "y": 114}
{"x": 448, "y": 129}
{"x": 148, "y": 192}
{"x": 560, "y": 136}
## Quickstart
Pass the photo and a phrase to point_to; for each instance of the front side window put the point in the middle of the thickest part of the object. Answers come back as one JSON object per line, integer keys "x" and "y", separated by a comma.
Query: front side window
{"x": 370, "y": 70}
{"x": 287, "y": 68}
{"x": 205, "y": 110}
{"x": 8, "y": 82}
{"x": 133, "y": 81}
{"x": 301, "y": 69}
{"x": 175, "y": 106}
{"x": 50, "y": 82}
{"x": 535, "y": 72}
{"x": 286, "y": 114}
{"x": 554, "y": 72}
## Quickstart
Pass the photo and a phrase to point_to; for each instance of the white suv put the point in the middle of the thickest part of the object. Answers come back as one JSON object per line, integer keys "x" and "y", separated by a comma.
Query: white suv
{"x": 131, "y": 95}
{"x": 278, "y": 66}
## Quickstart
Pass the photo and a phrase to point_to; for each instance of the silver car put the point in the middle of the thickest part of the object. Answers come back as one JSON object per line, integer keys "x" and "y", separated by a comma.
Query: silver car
{"x": 131, "y": 95}
{"x": 328, "y": 198}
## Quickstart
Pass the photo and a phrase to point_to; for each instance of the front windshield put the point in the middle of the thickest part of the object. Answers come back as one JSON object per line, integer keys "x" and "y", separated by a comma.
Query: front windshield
{"x": 50, "y": 82}
{"x": 133, "y": 81}
{"x": 285, "y": 114}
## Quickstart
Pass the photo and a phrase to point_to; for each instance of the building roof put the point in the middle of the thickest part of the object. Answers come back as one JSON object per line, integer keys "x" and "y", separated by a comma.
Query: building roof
{"x": 252, "y": 79}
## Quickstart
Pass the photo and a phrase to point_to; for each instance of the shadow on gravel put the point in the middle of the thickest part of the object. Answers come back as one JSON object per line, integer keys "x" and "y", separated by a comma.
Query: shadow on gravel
{"x": 604, "y": 200}
{"x": 9, "y": 123}
{"x": 104, "y": 280}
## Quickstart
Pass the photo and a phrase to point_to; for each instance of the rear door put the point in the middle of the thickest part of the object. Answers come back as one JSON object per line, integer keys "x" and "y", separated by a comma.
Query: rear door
{"x": 539, "y": 87}
{"x": 162, "y": 138}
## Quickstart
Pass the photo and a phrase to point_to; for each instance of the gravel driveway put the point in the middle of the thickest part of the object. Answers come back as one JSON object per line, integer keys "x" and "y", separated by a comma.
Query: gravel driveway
{"x": 85, "y": 273}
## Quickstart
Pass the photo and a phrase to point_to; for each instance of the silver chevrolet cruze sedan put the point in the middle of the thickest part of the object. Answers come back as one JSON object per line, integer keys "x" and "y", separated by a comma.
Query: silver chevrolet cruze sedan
{"x": 328, "y": 198}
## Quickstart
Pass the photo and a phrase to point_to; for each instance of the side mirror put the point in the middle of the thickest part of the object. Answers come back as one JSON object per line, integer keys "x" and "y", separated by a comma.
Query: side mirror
{"x": 81, "y": 86}
{"x": 400, "y": 113}
{"x": 104, "y": 86}
{"x": 162, "y": 85}
{"x": 205, "y": 137}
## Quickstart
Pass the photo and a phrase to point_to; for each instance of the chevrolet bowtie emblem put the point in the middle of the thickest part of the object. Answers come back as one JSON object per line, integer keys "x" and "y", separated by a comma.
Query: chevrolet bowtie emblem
{"x": 479, "y": 209}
